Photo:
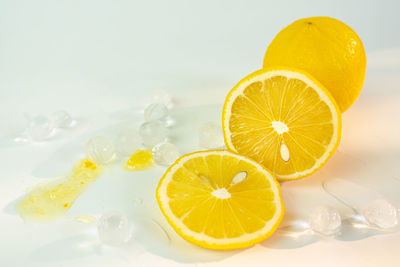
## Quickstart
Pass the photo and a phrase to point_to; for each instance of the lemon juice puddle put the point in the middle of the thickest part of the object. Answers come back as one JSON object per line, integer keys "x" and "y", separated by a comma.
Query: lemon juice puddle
{"x": 140, "y": 160}
{"x": 51, "y": 200}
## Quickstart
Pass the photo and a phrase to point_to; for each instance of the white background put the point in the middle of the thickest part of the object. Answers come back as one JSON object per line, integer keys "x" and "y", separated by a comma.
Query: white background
{"x": 98, "y": 57}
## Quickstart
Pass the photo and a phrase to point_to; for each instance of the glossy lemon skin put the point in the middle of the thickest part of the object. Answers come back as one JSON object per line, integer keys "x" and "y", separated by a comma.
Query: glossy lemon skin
{"x": 326, "y": 48}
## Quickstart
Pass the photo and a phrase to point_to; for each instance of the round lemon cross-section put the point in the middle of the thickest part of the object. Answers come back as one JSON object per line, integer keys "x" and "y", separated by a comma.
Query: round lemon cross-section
{"x": 284, "y": 119}
{"x": 220, "y": 200}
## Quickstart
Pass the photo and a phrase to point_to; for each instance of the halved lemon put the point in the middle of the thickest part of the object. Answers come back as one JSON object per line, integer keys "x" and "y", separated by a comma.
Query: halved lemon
{"x": 284, "y": 119}
{"x": 220, "y": 200}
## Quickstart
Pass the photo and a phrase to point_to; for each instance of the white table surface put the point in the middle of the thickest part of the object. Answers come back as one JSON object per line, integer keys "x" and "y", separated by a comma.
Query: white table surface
{"x": 95, "y": 58}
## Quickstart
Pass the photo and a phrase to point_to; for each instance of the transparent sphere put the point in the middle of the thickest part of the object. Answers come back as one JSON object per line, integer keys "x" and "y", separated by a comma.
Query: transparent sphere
{"x": 165, "y": 154}
{"x": 381, "y": 213}
{"x": 61, "y": 119}
{"x": 156, "y": 111}
{"x": 100, "y": 150}
{"x": 114, "y": 229}
{"x": 325, "y": 220}
{"x": 210, "y": 136}
{"x": 161, "y": 96}
{"x": 40, "y": 128}
{"x": 153, "y": 133}
{"x": 127, "y": 141}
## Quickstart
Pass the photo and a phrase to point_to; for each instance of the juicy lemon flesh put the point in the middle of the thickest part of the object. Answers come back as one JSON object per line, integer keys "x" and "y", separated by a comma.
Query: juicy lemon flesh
{"x": 326, "y": 48}
{"x": 251, "y": 203}
{"x": 309, "y": 125}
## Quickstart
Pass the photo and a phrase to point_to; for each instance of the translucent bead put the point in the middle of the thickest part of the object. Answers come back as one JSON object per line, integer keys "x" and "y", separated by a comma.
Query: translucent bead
{"x": 165, "y": 154}
{"x": 210, "y": 136}
{"x": 152, "y": 133}
{"x": 156, "y": 111}
{"x": 381, "y": 213}
{"x": 40, "y": 128}
{"x": 161, "y": 96}
{"x": 61, "y": 119}
{"x": 127, "y": 141}
{"x": 100, "y": 150}
{"x": 325, "y": 220}
{"x": 114, "y": 229}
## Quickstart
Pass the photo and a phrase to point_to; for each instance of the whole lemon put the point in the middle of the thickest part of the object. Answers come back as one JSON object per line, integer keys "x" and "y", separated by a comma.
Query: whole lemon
{"x": 326, "y": 48}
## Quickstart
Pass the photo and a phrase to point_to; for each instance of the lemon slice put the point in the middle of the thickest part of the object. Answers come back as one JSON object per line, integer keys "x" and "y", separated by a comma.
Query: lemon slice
{"x": 284, "y": 119}
{"x": 220, "y": 200}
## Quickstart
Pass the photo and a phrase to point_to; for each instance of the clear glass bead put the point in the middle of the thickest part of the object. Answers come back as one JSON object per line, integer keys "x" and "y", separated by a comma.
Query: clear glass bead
{"x": 127, "y": 141}
{"x": 40, "y": 128}
{"x": 381, "y": 213}
{"x": 152, "y": 133}
{"x": 100, "y": 150}
{"x": 114, "y": 229}
{"x": 325, "y": 220}
{"x": 161, "y": 96}
{"x": 156, "y": 111}
{"x": 165, "y": 154}
{"x": 61, "y": 119}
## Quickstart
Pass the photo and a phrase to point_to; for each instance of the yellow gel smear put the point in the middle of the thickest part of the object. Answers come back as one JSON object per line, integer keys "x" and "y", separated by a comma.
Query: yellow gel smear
{"x": 140, "y": 160}
{"x": 51, "y": 200}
